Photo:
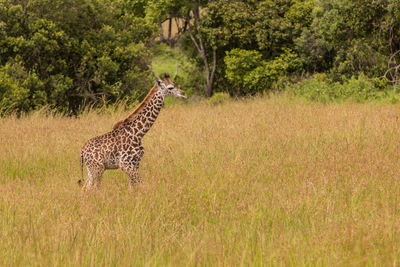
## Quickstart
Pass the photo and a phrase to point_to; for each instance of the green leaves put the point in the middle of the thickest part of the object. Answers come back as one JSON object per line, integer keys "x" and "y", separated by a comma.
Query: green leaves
{"x": 360, "y": 89}
{"x": 73, "y": 52}
{"x": 239, "y": 62}
{"x": 358, "y": 36}
{"x": 70, "y": 53}
{"x": 250, "y": 73}
{"x": 16, "y": 96}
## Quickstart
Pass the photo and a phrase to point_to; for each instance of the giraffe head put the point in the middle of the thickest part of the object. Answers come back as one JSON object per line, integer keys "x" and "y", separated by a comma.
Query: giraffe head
{"x": 169, "y": 88}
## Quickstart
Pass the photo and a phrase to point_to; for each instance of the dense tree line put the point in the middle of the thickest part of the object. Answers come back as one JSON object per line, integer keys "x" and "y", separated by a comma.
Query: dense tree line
{"x": 262, "y": 45}
{"x": 70, "y": 53}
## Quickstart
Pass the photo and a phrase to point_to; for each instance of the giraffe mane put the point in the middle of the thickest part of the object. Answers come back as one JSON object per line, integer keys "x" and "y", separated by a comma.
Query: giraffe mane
{"x": 139, "y": 108}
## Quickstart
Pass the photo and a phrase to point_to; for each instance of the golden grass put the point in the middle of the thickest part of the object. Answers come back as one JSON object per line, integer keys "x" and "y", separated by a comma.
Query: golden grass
{"x": 254, "y": 182}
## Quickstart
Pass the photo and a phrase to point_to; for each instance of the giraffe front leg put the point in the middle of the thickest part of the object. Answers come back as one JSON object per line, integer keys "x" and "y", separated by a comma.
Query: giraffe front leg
{"x": 130, "y": 165}
{"x": 134, "y": 180}
{"x": 133, "y": 174}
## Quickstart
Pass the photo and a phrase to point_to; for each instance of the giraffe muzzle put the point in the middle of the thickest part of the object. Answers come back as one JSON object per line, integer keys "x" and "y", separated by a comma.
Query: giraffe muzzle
{"x": 182, "y": 95}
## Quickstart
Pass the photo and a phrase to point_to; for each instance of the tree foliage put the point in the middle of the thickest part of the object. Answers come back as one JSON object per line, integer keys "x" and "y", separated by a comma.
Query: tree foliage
{"x": 260, "y": 27}
{"x": 249, "y": 73}
{"x": 341, "y": 38}
{"x": 70, "y": 53}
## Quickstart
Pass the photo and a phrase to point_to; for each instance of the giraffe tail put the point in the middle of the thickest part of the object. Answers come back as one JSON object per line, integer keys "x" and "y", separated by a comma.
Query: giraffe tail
{"x": 80, "y": 181}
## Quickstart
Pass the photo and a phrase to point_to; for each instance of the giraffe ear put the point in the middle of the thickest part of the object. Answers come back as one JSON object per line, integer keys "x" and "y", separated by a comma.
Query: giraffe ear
{"x": 158, "y": 83}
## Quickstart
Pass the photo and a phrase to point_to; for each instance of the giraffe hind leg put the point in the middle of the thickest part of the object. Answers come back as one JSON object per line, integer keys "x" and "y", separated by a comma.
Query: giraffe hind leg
{"x": 95, "y": 174}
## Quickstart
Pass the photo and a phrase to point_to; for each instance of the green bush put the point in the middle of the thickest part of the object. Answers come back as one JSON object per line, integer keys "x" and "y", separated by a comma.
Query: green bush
{"x": 218, "y": 98}
{"x": 359, "y": 89}
{"x": 20, "y": 91}
{"x": 251, "y": 74}
{"x": 13, "y": 97}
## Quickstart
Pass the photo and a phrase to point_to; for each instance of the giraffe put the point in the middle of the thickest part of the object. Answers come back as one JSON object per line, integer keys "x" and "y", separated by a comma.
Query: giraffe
{"x": 122, "y": 146}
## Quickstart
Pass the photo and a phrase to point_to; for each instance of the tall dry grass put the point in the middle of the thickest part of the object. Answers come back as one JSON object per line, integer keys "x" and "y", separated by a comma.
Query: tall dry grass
{"x": 253, "y": 182}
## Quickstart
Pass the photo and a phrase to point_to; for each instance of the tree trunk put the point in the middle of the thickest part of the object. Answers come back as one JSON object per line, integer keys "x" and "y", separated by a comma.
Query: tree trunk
{"x": 180, "y": 29}
{"x": 162, "y": 38}
{"x": 212, "y": 74}
{"x": 169, "y": 31}
{"x": 209, "y": 74}
{"x": 186, "y": 25}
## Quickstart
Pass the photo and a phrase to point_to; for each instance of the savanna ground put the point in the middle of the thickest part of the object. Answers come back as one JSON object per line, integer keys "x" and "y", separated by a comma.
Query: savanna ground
{"x": 266, "y": 181}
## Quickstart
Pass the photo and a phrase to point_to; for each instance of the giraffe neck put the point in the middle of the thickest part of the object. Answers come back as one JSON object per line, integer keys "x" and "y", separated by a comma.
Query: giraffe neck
{"x": 148, "y": 115}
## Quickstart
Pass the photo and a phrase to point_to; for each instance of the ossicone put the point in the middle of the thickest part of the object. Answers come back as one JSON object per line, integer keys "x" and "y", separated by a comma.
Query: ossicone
{"x": 165, "y": 75}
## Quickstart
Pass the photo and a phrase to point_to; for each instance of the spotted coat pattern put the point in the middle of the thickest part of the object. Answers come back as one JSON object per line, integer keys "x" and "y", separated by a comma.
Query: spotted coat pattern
{"x": 122, "y": 147}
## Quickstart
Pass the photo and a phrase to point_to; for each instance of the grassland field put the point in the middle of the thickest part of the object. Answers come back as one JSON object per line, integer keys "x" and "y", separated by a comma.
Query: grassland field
{"x": 269, "y": 181}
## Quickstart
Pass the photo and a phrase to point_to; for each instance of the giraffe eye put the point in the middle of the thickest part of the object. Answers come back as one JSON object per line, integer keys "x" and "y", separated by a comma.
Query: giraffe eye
{"x": 170, "y": 87}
